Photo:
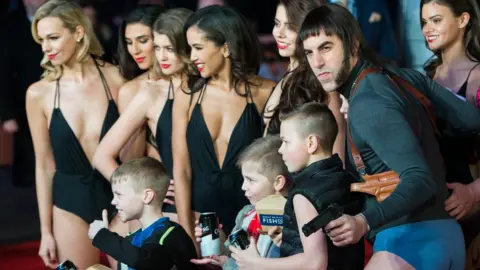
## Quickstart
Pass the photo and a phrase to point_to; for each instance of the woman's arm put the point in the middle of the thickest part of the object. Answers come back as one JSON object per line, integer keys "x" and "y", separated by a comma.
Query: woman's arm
{"x": 44, "y": 162}
{"x": 334, "y": 104}
{"x": 136, "y": 146}
{"x": 132, "y": 118}
{"x": 181, "y": 162}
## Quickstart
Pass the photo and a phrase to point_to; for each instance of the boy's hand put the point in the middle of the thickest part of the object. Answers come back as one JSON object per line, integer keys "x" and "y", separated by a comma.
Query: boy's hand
{"x": 246, "y": 259}
{"x": 212, "y": 260}
{"x": 276, "y": 234}
{"x": 198, "y": 231}
{"x": 97, "y": 225}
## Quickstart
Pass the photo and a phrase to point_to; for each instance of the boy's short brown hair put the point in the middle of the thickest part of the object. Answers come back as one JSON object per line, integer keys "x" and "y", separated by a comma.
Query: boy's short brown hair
{"x": 143, "y": 173}
{"x": 264, "y": 153}
{"x": 314, "y": 118}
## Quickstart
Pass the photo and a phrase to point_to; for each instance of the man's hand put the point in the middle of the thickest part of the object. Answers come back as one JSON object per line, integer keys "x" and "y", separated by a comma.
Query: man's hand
{"x": 97, "y": 225}
{"x": 10, "y": 126}
{"x": 347, "y": 230}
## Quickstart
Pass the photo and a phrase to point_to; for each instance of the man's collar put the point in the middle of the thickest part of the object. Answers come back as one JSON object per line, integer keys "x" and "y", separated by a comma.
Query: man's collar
{"x": 347, "y": 85}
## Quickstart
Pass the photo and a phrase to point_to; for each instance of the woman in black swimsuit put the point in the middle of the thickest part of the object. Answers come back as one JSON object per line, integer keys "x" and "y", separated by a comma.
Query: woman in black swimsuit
{"x": 218, "y": 116}
{"x": 69, "y": 111}
{"x": 153, "y": 103}
{"x": 452, "y": 31}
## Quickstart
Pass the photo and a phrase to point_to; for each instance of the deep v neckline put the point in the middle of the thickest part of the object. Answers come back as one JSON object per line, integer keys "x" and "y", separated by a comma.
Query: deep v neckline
{"x": 59, "y": 112}
{"x": 210, "y": 141}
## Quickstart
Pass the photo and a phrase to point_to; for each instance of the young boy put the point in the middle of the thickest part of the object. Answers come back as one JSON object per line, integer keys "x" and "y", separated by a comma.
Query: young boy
{"x": 308, "y": 133}
{"x": 264, "y": 174}
{"x": 139, "y": 187}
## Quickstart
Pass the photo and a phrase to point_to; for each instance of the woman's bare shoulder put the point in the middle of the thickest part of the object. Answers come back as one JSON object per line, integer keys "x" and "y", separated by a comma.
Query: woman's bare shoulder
{"x": 113, "y": 74}
{"x": 263, "y": 87}
{"x": 264, "y": 83}
{"x": 40, "y": 89}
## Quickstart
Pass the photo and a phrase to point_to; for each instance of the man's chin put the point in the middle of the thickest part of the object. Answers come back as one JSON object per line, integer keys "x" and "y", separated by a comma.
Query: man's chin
{"x": 329, "y": 86}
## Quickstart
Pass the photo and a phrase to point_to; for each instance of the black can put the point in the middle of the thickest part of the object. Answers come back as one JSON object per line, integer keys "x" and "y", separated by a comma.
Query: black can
{"x": 239, "y": 239}
{"x": 210, "y": 244}
{"x": 66, "y": 265}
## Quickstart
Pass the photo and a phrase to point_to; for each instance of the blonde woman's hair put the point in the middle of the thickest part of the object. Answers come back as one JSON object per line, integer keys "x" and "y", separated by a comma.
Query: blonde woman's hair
{"x": 72, "y": 16}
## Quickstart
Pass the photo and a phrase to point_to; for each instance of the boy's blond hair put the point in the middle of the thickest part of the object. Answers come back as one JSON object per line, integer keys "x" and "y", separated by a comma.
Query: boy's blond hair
{"x": 143, "y": 173}
{"x": 264, "y": 153}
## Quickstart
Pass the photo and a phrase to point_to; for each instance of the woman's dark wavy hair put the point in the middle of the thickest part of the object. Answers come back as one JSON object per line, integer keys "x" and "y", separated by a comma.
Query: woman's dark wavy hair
{"x": 146, "y": 15}
{"x": 224, "y": 25}
{"x": 300, "y": 85}
{"x": 297, "y": 10}
{"x": 471, "y": 39}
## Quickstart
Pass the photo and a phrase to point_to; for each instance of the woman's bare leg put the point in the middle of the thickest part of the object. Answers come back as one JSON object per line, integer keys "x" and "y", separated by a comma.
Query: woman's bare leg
{"x": 71, "y": 236}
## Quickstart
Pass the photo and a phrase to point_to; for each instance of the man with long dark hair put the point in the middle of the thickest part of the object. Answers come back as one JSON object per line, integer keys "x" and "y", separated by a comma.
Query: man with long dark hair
{"x": 391, "y": 132}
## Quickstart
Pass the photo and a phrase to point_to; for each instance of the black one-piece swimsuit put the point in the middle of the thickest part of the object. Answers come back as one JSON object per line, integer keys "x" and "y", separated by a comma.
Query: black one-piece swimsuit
{"x": 214, "y": 188}
{"x": 77, "y": 187}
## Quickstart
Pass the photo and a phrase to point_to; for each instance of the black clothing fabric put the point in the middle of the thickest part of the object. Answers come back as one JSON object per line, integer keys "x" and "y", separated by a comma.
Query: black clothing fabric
{"x": 323, "y": 183}
{"x": 163, "y": 139}
{"x": 77, "y": 188}
{"x": 463, "y": 89}
{"x": 381, "y": 123}
{"x": 214, "y": 188}
{"x": 166, "y": 247}
{"x": 457, "y": 151}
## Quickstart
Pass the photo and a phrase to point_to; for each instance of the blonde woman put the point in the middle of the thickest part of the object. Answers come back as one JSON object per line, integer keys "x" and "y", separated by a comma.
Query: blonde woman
{"x": 69, "y": 111}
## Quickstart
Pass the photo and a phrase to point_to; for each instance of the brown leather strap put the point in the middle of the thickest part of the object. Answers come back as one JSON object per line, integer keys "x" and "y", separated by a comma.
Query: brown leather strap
{"x": 357, "y": 158}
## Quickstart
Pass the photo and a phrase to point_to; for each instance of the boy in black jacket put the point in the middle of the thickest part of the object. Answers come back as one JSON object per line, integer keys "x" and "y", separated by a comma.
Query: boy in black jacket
{"x": 139, "y": 187}
{"x": 308, "y": 133}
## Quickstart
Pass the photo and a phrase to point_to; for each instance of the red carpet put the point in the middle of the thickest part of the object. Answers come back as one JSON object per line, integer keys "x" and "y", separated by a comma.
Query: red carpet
{"x": 24, "y": 256}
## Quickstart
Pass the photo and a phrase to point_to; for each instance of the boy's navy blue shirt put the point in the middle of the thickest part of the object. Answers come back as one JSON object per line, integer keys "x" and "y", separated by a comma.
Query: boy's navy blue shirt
{"x": 160, "y": 246}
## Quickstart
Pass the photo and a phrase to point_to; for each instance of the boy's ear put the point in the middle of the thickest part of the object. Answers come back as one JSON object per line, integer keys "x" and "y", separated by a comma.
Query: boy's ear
{"x": 313, "y": 143}
{"x": 148, "y": 195}
{"x": 280, "y": 183}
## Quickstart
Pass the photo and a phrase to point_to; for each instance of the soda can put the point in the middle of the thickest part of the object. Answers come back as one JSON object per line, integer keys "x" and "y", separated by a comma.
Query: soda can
{"x": 210, "y": 244}
{"x": 239, "y": 239}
